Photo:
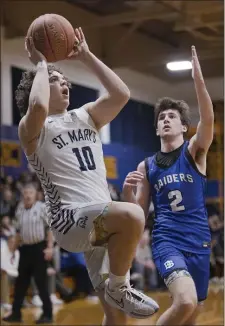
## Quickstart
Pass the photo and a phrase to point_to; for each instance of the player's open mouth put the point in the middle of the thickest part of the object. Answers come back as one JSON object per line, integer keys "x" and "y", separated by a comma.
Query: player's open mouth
{"x": 65, "y": 91}
{"x": 166, "y": 128}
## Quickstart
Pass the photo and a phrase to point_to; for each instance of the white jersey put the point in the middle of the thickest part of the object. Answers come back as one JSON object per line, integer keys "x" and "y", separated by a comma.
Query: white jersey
{"x": 69, "y": 161}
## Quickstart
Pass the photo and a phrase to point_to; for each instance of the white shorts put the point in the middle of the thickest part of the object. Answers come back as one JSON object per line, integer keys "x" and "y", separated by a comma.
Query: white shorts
{"x": 72, "y": 230}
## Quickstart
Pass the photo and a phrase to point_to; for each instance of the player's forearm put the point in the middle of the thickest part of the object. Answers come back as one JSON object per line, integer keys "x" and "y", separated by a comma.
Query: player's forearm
{"x": 129, "y": 196}
{"x": 40, "y": 91}
{"x": 204, "y": 103}
{"x": 112, "y": 83}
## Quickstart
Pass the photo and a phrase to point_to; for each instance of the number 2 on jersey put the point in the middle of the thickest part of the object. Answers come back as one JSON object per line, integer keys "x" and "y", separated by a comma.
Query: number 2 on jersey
{"x": 176, "y": 195}
{"x": 87, "y": 157}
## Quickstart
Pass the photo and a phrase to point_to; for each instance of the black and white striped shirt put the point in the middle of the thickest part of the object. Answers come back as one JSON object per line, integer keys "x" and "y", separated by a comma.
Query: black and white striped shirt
{"x": 31, "y": 223}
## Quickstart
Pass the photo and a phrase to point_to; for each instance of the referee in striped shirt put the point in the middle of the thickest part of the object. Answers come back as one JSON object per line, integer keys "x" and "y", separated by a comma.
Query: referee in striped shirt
{"x": 35, "y": 251}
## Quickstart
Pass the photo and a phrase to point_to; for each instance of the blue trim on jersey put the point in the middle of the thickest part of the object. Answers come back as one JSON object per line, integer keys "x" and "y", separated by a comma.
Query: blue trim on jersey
{"x": 178, "y": 194}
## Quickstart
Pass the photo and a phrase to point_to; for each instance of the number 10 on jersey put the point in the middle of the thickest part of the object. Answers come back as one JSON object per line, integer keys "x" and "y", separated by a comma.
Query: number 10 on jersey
{"x": 85, "y": 158}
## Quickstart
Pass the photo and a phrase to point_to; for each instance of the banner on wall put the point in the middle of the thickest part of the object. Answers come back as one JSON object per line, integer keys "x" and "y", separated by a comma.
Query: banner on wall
{"x": 119, "y": 160}
{"x": 10, "y": 154}
{"x": 111, "y": 167}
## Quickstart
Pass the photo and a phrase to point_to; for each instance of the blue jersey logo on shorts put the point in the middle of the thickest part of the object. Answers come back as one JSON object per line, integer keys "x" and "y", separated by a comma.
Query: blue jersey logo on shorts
{"x": 169, "y": 264}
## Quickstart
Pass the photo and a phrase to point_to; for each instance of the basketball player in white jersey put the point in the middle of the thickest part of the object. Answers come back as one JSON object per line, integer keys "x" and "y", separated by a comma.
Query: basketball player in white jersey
{"x": 65, "y": 150}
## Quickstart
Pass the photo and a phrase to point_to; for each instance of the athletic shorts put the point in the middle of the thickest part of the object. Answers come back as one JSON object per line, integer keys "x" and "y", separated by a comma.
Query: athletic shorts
{"x": 169, "y": 259}
{"x": 72, "y": 230}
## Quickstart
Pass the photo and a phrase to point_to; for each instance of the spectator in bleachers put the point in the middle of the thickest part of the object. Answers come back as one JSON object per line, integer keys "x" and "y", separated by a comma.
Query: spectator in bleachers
{"x": 114, "y": 192}
{"x": 217, "y": 256}
{"x": 73, "y": 264}
{"x": 9, "y": 268}
{"x": 7, "y": 202}
{"x": 7, "y": 228}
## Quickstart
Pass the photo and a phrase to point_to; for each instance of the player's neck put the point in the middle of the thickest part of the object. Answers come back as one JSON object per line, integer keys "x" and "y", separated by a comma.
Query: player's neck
{"x": 55, "y": 112}
{"x": 170, "y": 145}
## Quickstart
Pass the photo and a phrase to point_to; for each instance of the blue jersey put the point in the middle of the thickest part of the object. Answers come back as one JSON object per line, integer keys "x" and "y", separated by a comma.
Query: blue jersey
{"x": 178, "y": 195}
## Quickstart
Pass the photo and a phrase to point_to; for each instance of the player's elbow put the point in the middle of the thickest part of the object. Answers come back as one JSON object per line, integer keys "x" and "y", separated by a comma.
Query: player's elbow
{"x": 39, "y": 106}
{"x": 123, "y": 95}
{"x": 126, "y": 94}
{"x": 207, "y": 119}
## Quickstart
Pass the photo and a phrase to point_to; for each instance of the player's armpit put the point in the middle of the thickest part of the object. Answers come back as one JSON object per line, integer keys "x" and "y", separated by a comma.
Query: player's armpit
{"x": 143, "y": 194}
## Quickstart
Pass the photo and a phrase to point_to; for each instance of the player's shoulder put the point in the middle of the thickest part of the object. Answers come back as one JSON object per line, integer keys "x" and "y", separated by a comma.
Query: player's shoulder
{"x": 22, "y": 129}
{"x": 82, "y": 114}
{"x": 141, "y": 166}
{"x": 149, "y": 160}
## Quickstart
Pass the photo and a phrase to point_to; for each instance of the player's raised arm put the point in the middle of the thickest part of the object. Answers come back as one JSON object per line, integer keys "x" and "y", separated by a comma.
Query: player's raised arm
{"x": 106, "y": 108}
{"x": 33, "y": 120}
{"x": 201, "y": 142}
{"x": 136, "y": 188}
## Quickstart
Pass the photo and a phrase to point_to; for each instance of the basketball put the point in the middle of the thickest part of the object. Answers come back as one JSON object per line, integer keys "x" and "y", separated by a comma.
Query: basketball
{"x": 53, "y": 36}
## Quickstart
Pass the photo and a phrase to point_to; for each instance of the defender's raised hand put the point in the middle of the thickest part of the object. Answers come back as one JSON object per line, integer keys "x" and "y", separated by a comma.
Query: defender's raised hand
{"x": 196, "y": 68}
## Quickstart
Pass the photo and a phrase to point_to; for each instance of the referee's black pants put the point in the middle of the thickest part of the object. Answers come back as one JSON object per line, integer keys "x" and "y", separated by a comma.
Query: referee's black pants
{"x": 32, "y": 263}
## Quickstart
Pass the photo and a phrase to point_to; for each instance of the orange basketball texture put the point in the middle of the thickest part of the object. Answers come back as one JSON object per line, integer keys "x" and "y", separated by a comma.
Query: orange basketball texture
{"x": 53, "y": 36}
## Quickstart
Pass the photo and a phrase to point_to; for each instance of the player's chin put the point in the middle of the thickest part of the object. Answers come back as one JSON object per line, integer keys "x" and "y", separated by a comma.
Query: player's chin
{"x": 167, "y": 134}
{"x": 66, "y": 100}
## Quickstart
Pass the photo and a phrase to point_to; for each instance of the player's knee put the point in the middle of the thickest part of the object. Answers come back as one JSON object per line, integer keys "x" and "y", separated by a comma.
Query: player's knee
{"x": 187, "y": 304}
{"x": 126, "y": 217}
{"x": 135, "y": 218}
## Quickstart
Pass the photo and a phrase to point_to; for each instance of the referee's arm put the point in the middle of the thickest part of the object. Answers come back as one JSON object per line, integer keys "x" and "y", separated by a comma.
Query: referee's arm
{"x": 17, "y": 227}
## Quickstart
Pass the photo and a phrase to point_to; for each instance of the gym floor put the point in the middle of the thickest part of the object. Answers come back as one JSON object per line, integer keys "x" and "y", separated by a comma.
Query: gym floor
{"x": 89, "y": 312}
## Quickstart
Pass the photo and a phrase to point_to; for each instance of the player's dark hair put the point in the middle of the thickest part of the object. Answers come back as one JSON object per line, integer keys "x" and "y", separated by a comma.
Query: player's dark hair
{"x": 23, "y": 89}
{"x": 167, "y": 103}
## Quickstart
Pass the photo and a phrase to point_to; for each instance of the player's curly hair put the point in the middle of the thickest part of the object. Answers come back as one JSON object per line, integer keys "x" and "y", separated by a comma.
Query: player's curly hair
{"x": 167, "y": 103}
{"x": 23, "y": 89}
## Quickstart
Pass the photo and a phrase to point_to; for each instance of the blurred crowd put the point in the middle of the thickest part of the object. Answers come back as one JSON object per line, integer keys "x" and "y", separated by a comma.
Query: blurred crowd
{"x": 67, "y": 273}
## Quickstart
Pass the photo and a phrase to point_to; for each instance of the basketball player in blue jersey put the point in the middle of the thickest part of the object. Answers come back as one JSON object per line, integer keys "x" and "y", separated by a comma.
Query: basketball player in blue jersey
{"x": 175, "y": 180}
{"x": 65, "y": 150}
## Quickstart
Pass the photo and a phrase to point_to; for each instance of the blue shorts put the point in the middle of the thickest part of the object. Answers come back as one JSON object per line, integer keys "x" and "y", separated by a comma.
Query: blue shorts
{"x": 169, "y": 259}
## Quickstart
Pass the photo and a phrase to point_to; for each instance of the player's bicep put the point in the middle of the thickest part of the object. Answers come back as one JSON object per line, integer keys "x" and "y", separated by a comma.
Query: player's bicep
{"x": 143, "y": 194}
{"x": 34, "y": 121}
{"x": 203, "y": 138}
{"x": 31, "y": 125}
{"x": 105, "y": 109}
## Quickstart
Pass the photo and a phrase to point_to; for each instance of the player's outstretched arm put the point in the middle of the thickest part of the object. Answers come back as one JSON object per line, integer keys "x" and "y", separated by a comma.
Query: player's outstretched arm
{"x": 106, "y": 108}
{"x": 136, "y": 188}
{"x": 31, "y": 124}
{"x": 204, "y": 135}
